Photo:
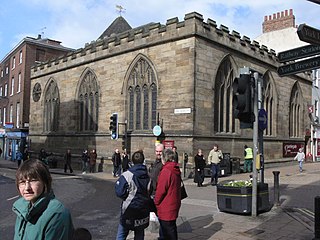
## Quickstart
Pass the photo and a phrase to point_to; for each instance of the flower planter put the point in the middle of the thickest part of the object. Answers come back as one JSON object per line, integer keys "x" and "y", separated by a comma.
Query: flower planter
{"x": 239, "y": 199}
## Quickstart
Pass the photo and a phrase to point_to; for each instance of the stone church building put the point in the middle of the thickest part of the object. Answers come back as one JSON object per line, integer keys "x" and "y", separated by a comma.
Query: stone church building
{"x": 179, "y": 75}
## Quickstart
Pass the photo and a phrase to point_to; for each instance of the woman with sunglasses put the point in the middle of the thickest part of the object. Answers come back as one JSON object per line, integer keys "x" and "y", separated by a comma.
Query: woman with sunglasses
{"x": 39, "y": 214}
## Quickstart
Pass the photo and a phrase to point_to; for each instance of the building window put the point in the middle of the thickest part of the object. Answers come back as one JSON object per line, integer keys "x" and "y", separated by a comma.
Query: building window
{"x": 295, "y": 113}
{"x": 1, "y": 123}
{"x": 51, "y": 108}
{"x": 88, "y": 98}
{"x": 270, "y": 101}
{"x": 7, "y": 69}
{"x": 11, "y": 114}
{"x": 12, "y": 86}
{"x": 13, "y": 62}
{"x": 142, "y": 96}
{"x": 18, "y": 115}
{"x": 19, "y": 83}
{"x": 1, "y": 72}
{"x": 4, "y": 115}
{"x": 6, "y": 89}
{"x": 1, "y": 89}
{"x": 20, "y": 57}
{"x": 224, "y": 121}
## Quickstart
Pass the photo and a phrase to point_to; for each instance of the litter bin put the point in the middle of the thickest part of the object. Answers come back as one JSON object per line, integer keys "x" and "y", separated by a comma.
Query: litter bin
{"x": 225, "y": 165}
{"x": 235, "y": 165}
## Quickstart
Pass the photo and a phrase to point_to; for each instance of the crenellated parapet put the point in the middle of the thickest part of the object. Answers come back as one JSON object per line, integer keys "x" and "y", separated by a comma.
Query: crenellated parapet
{"x": 156, "y": 34}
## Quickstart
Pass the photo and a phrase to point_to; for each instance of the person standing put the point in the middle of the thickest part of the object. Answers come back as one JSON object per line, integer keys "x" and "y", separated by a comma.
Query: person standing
{"x": 92, "y": 161}
{"x": 39, "y": 214}
{"x": 156, "y": 168}
{"x": 85, "y": 159}
{"x": 168, "y": 196}
{"x": 248, "y": 159}
{"x": 200, "y": 164}
{"x": 116, "y": 161}
{"x": 176, "y": 155}
{"x": 214, "y": 159}
{"x": 43, "y": 156}
{"x": 133, "y": 187}
{"x": 67, "y": 161}
{"x": 300, "y": 157}
{"x": 125, "y": 161}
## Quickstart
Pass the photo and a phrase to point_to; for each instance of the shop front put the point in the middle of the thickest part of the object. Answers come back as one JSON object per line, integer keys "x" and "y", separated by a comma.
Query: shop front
{"x": 15, "y": 141}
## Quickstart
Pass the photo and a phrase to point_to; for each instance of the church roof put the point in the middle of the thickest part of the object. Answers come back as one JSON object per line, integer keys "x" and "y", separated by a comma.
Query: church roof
{"x": 119, "y": 25}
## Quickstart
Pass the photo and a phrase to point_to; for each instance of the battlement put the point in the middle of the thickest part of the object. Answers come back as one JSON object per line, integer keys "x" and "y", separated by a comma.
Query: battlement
{"x": 278, "y": 21}
{"x": 155, "y": 34}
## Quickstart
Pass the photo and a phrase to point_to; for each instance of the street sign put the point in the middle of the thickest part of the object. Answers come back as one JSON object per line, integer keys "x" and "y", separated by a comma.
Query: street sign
{"x": 297, "y": 53}
{"x": 298, "y": 67}
{"x": 308, "y": 34}
{"x": 157, "y": 130}
{"x": 262, "y": 119}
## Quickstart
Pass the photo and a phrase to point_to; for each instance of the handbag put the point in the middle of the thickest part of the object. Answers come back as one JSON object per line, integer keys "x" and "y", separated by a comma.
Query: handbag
{"x": 183, "y": 191}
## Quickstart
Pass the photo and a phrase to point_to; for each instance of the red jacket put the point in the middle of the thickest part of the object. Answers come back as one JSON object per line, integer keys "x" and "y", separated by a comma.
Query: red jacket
{"x": 168, "y": 193}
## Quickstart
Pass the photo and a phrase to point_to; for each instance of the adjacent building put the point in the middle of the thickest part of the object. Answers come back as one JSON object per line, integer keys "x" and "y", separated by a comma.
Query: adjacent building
{"x": 15, "y": 70}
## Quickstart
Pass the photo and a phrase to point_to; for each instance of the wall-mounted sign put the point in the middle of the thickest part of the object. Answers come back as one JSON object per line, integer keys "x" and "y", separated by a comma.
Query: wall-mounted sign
{"x": 182, "y": 110}
{"x": 291, "y": 149}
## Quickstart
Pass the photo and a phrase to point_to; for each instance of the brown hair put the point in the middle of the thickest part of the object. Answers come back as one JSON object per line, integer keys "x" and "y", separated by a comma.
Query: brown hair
{"x": 138, "y": 157}
{"x": 34, "y": 169}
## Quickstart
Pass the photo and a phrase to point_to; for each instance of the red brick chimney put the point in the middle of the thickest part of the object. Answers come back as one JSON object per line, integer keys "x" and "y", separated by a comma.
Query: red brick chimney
{"x": 278, "y": 21}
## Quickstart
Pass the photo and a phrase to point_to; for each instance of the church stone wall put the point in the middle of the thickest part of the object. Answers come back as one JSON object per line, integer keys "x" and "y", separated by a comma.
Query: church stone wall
{"x": 186, "y": 56}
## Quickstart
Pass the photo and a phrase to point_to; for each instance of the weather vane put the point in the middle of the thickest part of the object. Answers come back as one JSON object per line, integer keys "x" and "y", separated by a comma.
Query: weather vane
{"x": 120, "y": 9}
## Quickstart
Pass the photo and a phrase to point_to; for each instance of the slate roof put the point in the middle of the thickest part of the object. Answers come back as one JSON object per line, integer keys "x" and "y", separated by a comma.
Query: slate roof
{"x": 119, "y": 25}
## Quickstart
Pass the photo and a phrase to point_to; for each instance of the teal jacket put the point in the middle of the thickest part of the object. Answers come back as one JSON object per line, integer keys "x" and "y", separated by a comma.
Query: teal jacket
{"x": 46, "y": 219}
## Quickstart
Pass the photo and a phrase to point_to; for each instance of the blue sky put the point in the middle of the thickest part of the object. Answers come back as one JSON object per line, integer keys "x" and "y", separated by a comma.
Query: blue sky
{"x": 76, "y": 22}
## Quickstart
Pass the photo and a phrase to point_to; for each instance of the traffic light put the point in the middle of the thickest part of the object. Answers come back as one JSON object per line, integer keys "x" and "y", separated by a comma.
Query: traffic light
{"x": 114, "y": 126}
{"x": 242, "y": 98}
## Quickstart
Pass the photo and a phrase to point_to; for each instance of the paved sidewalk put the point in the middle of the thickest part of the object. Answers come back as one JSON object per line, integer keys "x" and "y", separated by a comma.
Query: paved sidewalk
{"x": 200, "y": 218}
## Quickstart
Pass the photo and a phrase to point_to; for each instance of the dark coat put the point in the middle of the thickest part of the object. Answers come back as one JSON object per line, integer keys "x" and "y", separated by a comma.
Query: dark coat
{"x": 133, "y": 188}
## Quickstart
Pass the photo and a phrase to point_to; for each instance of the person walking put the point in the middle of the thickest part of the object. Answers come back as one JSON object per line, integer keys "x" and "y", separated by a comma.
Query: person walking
{"x": 85, "y": 160}
{"x": 67, "y": 161}
{"x": 19, "y": 157}
{"x": 214, "y": 159}
{"x": 39, "y": 214}
{"x": 300, "y": 157}
{"x": 43, "y": 156}
{"x": 116, "y": 161}
{"x": 93, "y": 161}
{"x": 168, "y": 196}
{"x": 248, "y": 159}
{"x": 125, "y": 161}
{"x": 133, "y": 187}
{"x": 200, "y": 164}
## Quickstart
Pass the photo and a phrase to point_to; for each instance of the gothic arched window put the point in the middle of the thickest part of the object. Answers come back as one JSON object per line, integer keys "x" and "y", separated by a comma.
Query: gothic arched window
{"x": 88, "y": 99}
{"x": 142, "y": 96}
{"x": 51, "y": 107}
{"x": 270, "y": 103}
{"x": 295, "y": 113}
{"x": 223, "y": 115}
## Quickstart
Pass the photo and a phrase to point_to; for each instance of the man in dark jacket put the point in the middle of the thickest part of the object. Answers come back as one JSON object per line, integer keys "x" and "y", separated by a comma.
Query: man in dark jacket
{"x": 156, "y": 167}
{"x": 133, "y": 187}
{"x": 116, "y": 161}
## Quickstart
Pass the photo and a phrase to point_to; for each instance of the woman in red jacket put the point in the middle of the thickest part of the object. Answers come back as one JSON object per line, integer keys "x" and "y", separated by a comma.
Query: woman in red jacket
{"x": 168, "y": 196}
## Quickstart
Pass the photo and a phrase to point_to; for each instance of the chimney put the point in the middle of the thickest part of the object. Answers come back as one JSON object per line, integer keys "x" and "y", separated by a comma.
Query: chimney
{"x": 278, "y": 21}
{"x": 39, "y": 36}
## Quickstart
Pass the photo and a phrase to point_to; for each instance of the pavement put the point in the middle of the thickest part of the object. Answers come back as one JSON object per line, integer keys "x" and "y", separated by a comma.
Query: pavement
{"x": 200, "y": 217}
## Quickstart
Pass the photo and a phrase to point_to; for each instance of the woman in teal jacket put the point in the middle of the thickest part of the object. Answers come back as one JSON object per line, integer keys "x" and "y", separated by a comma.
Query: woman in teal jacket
{"x": 39, "y": 214}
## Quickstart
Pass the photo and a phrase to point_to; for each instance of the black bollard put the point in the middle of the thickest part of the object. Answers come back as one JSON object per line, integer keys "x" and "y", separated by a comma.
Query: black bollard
{"x": 317, "y": 218}
{"x": 276, "y": 188}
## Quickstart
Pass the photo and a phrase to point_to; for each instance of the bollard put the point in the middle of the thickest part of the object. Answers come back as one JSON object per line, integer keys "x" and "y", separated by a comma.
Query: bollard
{"x": 276, "y": 188}
{"x": 317, "y": 218}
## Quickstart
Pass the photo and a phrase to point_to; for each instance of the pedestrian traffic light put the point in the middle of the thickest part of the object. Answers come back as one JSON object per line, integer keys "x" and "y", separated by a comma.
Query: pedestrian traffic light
{"x": 114, "y": 126}
{"x": 242, "y": 98}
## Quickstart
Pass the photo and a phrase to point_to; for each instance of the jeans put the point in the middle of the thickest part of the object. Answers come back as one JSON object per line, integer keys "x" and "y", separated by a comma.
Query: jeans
{"x": 123, "y": 233}
{"x": 300, "y": 166}
{"x": 214, "y": 173}
{"x": 168, "y": 230}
